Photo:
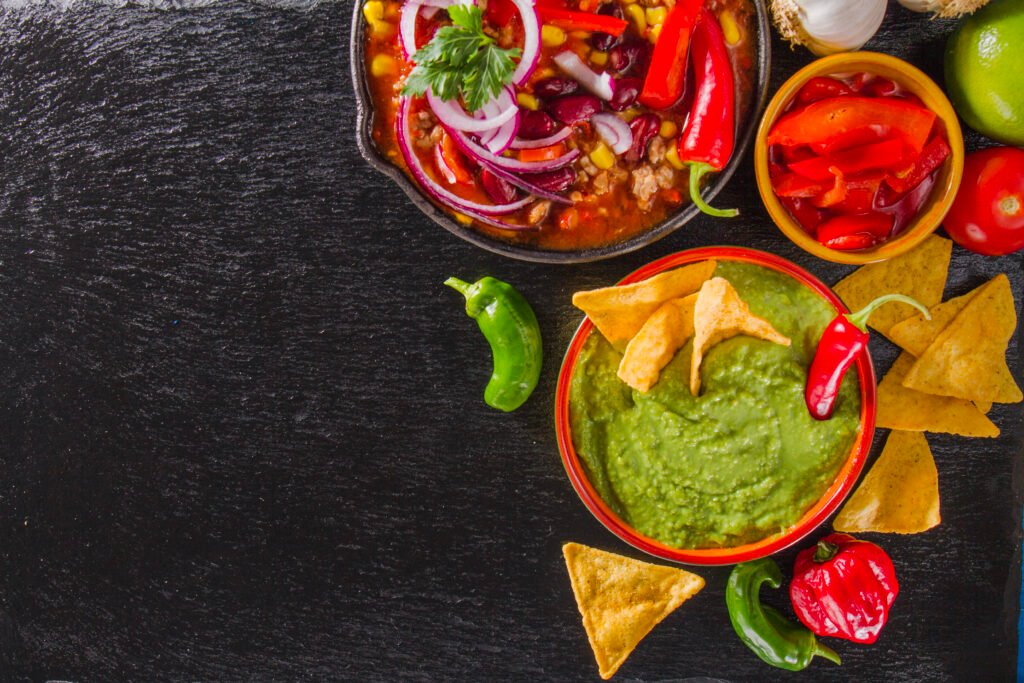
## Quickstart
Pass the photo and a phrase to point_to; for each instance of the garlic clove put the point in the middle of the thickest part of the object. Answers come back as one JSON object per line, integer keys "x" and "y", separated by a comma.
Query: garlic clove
{"x": 828, "y": 26}
{"x": 947, "y": 9}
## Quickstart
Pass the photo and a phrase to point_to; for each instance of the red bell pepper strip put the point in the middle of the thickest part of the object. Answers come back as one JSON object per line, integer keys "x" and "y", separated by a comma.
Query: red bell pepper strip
{"x": 888, "y": 155}
{"x": 844, "y": 588}
{"x": 834, "y": 195}
{"x": 793, "y": 185}
{"x": 825, "y": 121}
{"x": 500, "y": 12}
{"x": 581, "y": 21}
{"x": 820, "y": 88}
{"x": 844, "y": 338}
{"x": 709, "y": 137}
{"x": 934, "y": 153}
{"x": 847, "y": 232}
{"x": 806, "y": 214}
{"x": 663, "y": 85}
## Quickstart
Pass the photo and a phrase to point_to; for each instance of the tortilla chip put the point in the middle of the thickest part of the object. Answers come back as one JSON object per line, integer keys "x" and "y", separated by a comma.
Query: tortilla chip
{"x": 984, "y": 406}
{"x": 915, "y": 334}
{"x": 920, "y": 274}
{"x": 900, "y": 495}
{"x": 968, "y": 358}
{"x": 622, "y": 599}
{"x": 664, "y": 333}
{"x": 620, "y": 312}
{"x": 903, "y": 408}
{"x": 719, "y": 314}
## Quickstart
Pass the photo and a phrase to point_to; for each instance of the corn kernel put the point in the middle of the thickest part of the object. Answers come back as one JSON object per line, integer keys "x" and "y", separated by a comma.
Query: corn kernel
{"x": 655, "y": 15}
{"x": 551, "y": 36}
{"x": 672, "y": 155}
{"x": 525, "y": 99}
{"x": 599, "y": 58}
{"x": 580, "y": 35}
{"x": 383, "y": 65}
{"x": 629, "y": 114}
{"x": 545, "y": 72}
{"x": 602, "y": 156}
{"x": 729, "y": 28}
{"x": 463, "y": 218}
{"x": 654, "y": 32}
{"x": 373, "y": 10}
{"x": 668, "y": 129}
{"x": 636, "y": 14}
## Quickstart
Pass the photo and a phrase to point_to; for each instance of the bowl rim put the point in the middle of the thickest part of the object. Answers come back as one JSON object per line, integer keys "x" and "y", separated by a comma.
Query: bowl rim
{"x": 369, "y": 152}
{"x": 845, "y": 479}
{"x": 926, "y": 222}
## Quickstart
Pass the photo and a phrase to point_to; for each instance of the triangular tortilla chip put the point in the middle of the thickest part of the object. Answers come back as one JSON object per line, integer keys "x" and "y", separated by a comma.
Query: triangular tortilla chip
{"x": 984, "y": 406}
{"x": 620, "y": 312}
{"x": 719, "y": 314}
{"x": 915, "y": 334}
{"x": 903, "y": 408}
{"x": 968, "y": 358}
{"x": 657, "y": 342}
{"x": 622, "y": 599}
{"x": 901, "y": 492}
{"x": 920, "y": 274}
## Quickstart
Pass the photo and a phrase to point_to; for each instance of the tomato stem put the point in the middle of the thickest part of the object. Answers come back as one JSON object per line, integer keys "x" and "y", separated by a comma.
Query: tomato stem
{"x": 1010, "y": 205}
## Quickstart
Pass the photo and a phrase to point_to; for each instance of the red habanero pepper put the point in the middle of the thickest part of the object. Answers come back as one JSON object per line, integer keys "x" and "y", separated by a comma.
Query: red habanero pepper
{"x": 666, "y": 75}
{"x": 844, "y": 588}
{"x": 709, "y": 137}
{"x": 581, "y": 21}
{"x": 844, "y": 338}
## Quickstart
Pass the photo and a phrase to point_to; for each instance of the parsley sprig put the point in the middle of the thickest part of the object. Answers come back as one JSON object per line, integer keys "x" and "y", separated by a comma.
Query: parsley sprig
{"x": 462, "y": 59}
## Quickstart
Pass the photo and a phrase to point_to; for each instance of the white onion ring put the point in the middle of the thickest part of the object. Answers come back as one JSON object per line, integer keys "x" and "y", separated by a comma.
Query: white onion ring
{"x": 499, "y": 139}
{"x": 452, "y": 115}
{"x": 614, "y": 131}
{"x": 520, "y": 143}
{"x": 531, "y": 41}
{"x": 599, "y": 84}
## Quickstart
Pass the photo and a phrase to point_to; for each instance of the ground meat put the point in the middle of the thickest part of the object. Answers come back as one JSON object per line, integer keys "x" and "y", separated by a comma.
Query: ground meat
{"x": 666, "y": 176}
{"x": 425, "y": 123}
{"x": 618, "y": 174}
{"x": 601, "y": 183}
{"x": 656, "y": 149}
{"x": 538, "y": 212}
{"x": 645, "y": 186}
{"x": 588, "y": 165}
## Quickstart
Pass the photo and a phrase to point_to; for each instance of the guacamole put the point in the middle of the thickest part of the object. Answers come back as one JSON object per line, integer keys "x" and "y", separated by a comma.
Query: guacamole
{"x": 741, "y": 461}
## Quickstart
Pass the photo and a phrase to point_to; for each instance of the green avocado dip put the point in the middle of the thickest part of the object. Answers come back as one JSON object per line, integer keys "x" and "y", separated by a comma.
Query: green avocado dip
{"x": 742, "y": 461}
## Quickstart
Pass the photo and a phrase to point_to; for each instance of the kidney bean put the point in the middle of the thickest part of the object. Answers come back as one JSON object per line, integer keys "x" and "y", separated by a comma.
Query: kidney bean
{"x": 553, "y": 181}
{"x": 555, "y": 87}
{"x": 644, "y": 128}
{"x": 628, "y": 57}
{"x": 500, "y": 191}
{"x": 606, "y": 41}
{"x": 572, "y": 109}
{"x": 534, "y": 125}
{"x": 625, "y": 94}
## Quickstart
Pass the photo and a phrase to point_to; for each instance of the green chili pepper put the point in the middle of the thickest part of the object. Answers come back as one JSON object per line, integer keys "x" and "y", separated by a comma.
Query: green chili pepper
{"x": 770, "y": 635}
{"x": 511, "y": 328}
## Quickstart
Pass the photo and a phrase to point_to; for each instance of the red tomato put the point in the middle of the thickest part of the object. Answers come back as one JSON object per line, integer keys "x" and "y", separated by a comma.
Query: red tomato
{"x": 988, "y": 214}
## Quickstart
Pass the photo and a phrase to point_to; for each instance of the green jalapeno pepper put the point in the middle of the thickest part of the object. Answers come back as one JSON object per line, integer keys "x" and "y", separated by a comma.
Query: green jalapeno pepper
{"x": 770, "y": 635}
{"x": 510, "y": 327}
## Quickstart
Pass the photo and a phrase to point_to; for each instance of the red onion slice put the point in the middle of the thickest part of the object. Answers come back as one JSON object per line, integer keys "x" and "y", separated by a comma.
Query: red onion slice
{"x": 434, "y": 189}
{"x": 531, "y": 41}
{"x": 599, "y": 84}
{"x": 454, "y": 116}
{"x": 519, "y": 143}
{"x": 482, "y": 156}
{"x": 614, "y": 131}
{"x": 407, "y": 24}
{"x": 499, "y": 139}
{"x": 523, "y": 184}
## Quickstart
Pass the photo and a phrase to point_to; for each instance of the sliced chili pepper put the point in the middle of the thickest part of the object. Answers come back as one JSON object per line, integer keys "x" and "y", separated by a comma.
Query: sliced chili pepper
{"x": 709, "y": 137}
{"x": 825, "y": 121}
{"x": 888, "y": 155}
{"x": 820, "y": 88}
{"x": 663, "y": 85}
{"x": 843, "y": 339}
{"x": 805, "y": 213}
{"x": 793, "y": 185}
{"x": 934, "y": 153}
{"x": 835, "y": 194}
{"x": 581, "y": 21}
{"x": 846, "y": 232}
{"x": 542, "y": 153}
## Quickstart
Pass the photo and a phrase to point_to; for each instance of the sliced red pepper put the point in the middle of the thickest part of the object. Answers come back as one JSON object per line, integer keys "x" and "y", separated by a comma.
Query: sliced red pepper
{"x": 826, "y": 121}
{"x": 452, "y": 164}
{"x": 820, "y": 88}
{"x": 931, "y": 158}
{"x": 581, "y": 21}
{"x": 887, "y": 155}
{"x": 663, "y": 85}
{"x": 855, "y": 232}
{"x": 792, "y": 155}
{"x": 542, "y": 153}
{"x": 805, "y": 213}
{"x": 879, "y": 87}
{"x": 835, "y": 194}
{"x": 861, "y": 190}
{"x": 501, "y": 12}
{"x": 793, "y": 185}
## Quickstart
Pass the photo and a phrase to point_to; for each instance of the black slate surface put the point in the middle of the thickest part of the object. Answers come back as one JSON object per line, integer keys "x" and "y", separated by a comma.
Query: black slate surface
{"x": 242, "y": 429}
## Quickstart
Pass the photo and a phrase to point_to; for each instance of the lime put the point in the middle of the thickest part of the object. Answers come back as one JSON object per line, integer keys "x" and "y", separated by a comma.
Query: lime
{"x": 985, "y": 71}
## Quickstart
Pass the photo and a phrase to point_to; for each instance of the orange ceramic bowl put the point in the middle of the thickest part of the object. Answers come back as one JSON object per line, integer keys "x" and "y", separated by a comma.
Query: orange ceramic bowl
{"x": 913, "y": 80}
{"x": 819, "y": 512}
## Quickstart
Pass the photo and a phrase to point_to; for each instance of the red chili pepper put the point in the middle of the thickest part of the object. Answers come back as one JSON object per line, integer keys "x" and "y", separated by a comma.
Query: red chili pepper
{"x": 820, "y": 88}
{"x": 825, "y": 121}
{"x": 844, "y": 338}
{"x": 663, "y": 85}
{"x": 844, "y": 588}
{"x": 709, "y": 137}
{"x": 888, "y": 155}
{"x": 581, "y": 21}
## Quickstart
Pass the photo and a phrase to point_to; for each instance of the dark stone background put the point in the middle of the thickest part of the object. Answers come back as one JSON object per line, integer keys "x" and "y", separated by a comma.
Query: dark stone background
{"x": 242, "y": 428}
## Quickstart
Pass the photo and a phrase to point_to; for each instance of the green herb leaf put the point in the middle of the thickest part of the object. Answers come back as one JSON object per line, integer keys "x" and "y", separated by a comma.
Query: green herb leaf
{"x": 462, "y": 60}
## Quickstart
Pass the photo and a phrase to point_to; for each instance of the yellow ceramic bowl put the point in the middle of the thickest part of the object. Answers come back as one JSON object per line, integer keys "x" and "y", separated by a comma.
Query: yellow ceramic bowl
{"x": 914, "y": 81}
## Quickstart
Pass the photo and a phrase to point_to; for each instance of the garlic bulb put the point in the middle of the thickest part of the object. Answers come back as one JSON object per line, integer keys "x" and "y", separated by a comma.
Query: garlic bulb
{"x": 945, "y": 8}
{"x": 827, "y": 26}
